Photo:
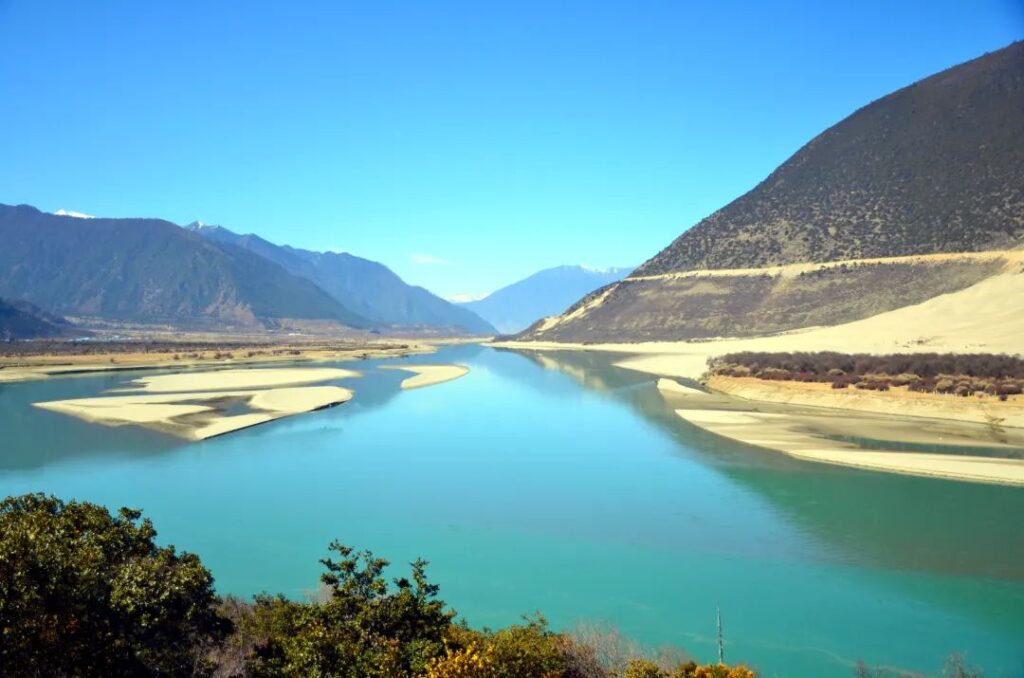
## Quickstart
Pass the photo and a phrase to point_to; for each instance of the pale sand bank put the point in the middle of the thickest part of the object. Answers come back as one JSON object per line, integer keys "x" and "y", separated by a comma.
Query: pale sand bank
{"x": 16, "y": 374}
{"x": 897, "y": 401}
{"x": 234, "y": 379}
{"x": 197, "y": 416}
{"x": 427, "y": 375}
{"x": 792, "y": 435}
{"x": 985, "y": 318}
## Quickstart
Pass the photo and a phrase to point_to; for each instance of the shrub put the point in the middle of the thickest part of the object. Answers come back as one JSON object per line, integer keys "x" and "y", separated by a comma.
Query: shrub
{"x": 643, "y": 668}
{"x": 774, "y": 373}
{"x": 366, "y": 627}
{"x": 89, "y": 593}
{"x": 468, "y": 662}
{"x": 1010, "y": 388}
{"x": 905, "y": 379}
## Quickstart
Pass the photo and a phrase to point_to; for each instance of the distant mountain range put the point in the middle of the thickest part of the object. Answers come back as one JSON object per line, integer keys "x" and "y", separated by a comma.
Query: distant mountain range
{"x": 21, "y": 320}
{"x": 936, "y": 167}
{"x": 370, "y": 289}
{"x": 549, "y": 292}
{"x": 150, "y": 271}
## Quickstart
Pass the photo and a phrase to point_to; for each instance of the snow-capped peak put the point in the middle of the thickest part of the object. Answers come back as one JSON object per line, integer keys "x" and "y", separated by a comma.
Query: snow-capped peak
{"x": 70, "y": 213}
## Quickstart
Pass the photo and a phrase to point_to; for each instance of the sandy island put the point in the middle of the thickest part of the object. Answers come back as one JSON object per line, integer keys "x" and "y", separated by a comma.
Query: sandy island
{"x": 226, "y": 380}
{"x": 194, "y": 405}
{"x": 427, "y": 375}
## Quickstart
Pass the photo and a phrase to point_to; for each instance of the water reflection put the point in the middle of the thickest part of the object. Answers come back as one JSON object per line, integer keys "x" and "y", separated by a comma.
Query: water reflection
{"x": 888, "y": 520}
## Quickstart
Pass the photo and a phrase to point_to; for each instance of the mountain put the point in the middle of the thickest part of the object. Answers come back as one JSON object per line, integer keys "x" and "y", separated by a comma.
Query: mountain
{"x": 933, "y": 169}
{"x": 151, "y": 271}
{"x": 22, "y": 320}
{"x": 548, "y": 292}
{"x": 367, "y": 287}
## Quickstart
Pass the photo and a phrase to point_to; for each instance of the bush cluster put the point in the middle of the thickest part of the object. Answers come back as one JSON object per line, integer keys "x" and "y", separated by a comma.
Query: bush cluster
{"x": 955, "y": 374}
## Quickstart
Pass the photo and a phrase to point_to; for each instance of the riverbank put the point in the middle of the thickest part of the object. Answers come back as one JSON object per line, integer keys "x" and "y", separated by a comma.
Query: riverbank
{"x": 61, "y": 359}
{"x": 899, "y": 401}
{"x": 878, "y": 436}
{"x": 802, "y": 437}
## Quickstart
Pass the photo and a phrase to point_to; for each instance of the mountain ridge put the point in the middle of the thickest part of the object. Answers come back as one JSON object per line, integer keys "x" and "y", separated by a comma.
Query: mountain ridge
{"x": 367, "y": 287}
{"x": 150, "y": 271}
{"x": 881, "y": 182}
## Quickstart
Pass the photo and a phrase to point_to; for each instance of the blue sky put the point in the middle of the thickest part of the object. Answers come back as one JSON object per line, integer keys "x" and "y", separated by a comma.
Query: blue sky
{"x": 464, "y": 144}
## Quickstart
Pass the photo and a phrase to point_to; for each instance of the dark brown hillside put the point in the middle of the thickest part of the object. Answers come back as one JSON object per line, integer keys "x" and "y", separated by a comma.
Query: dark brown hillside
{"x": 20, "y": 320}
{"x": 935, "y": 167}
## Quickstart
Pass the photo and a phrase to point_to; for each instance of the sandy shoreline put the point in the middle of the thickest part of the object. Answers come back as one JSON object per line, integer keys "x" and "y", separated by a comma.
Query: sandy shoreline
{"x": 897, "y": 401}
{"x": 970, "y": 451}
{"x": 34, "y": 367}
{"x": 791, "y": 434}
{"x": 428, "y": 375}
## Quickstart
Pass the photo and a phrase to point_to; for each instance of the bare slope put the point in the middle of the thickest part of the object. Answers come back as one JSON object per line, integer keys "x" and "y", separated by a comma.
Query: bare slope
{"x": 933, "y": 167}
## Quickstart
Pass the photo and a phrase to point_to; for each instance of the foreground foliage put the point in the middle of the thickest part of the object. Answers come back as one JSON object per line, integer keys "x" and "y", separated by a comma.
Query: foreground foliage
{"x": 83, "y": 592}
{"x": 87, "y": 593}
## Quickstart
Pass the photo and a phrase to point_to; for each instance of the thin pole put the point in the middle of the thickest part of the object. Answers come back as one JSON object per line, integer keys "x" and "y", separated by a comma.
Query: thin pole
{"x": 721, "y": 643}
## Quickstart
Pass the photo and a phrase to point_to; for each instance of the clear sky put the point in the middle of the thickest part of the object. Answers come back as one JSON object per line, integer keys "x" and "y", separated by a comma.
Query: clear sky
{"x": 464, "y": 144}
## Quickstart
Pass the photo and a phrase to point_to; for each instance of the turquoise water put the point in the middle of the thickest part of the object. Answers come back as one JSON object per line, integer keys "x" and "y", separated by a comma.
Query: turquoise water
{"x": 559, "y": 483}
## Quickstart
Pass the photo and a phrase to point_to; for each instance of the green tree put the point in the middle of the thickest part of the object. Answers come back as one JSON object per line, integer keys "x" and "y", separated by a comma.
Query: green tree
{"x": 366, "y": 627}
{"x": 83, "y": 592}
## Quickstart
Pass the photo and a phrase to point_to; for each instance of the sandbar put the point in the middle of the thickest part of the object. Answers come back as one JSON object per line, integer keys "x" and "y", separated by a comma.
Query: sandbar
{"x": 428, "y": 375}
{"x": 199, "y": 415}
{"x": 234, "y": 379}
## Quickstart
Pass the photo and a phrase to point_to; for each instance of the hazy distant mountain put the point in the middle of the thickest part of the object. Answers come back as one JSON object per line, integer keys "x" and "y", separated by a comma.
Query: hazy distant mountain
{"x": 548, "y": 292}
{"x": 22, "y": 320}
{"x": 935, "y": 167}
{"x": 367, "y": 287}
{"x": 150, "y": 271}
